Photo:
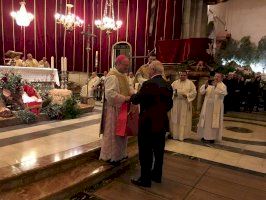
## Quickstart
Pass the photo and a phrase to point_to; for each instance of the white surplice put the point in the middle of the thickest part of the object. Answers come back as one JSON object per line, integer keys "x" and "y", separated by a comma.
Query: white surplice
{"x": 181, "y": 113}
{"x": 90, "y": 87}
{"x": 210, "y": 124}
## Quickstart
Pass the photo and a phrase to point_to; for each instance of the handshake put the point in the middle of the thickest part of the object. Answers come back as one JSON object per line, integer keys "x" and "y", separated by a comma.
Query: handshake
{"x": 127, "y": 99}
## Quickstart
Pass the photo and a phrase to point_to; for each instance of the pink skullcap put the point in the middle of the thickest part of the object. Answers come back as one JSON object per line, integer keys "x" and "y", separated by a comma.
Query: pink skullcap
{"x": 120, "y": 58}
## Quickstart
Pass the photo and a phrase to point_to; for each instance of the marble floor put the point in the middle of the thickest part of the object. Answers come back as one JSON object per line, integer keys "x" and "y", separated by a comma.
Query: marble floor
{"x": 27, "y": 143}
{"x": 189, "y": 179}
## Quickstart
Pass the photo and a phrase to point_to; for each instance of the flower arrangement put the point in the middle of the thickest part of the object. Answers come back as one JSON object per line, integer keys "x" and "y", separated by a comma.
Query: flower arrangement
{"x": 11, "y": 82}
{"x": 59, "y": 96}
{"x": 68, "y": 110}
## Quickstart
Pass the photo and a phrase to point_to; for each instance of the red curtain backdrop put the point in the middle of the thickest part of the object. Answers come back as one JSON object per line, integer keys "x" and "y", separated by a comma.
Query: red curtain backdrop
{"x": 46, "y": 38}
{"x": 177, "y": 51}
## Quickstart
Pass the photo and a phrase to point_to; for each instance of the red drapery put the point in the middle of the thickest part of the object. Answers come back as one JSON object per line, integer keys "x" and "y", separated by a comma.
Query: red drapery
{"x": 176, "y": 51}
{"x": 46, "y": 38}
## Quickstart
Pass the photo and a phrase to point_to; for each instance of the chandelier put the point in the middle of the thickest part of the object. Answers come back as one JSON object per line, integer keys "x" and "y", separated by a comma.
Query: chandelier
{"x": 69, "y": 21}
{"x": 108, "y": 22}
{"x": 22, "y": 17}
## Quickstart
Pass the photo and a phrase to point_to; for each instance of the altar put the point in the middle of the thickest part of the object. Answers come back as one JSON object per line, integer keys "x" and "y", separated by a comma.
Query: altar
{"x": 34, "y": 74}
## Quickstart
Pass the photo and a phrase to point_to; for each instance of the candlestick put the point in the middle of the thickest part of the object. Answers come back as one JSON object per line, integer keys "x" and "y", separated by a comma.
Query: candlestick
{"x": 96, "y": 59}
{"x": 65, "y": 64}
{"x": 52, "y": 62}
{"x": 62, "y": 64}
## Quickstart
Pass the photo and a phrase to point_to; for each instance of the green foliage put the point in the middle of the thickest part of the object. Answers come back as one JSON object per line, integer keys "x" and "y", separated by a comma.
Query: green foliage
{"x": 246, "y": 51}
{"x": 26, "y": 117}
{"x": 261, "y": 50}
{"x": 11, "y": 82}
{"x": 227, "y": 51}
{"x": 53, "y": 111}
{"x": 69, "y": 110}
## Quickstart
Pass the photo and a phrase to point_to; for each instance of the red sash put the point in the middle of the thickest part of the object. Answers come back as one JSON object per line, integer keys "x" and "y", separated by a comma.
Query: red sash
{"x": 127, "y": 123}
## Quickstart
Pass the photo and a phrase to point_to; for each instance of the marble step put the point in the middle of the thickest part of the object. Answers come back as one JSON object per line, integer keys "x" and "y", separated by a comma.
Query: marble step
{"x": 68, "y": 182}
{"x": 14, "y": 121}
{"x": 14, "y": 176}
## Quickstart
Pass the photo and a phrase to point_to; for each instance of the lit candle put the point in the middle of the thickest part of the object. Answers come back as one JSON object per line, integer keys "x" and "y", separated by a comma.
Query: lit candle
{"x": 96, "y": 59}
{"x": 65, "y": 64}
{"x": 52, "y": 62}
{"x": 62, "y": 64}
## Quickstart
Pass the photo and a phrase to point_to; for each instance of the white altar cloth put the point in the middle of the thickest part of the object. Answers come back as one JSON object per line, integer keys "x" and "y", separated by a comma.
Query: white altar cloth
{"x": 33, "y": 74}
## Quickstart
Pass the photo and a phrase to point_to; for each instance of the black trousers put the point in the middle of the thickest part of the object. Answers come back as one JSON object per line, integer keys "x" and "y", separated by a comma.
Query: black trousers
{"x": 151, "y": 152}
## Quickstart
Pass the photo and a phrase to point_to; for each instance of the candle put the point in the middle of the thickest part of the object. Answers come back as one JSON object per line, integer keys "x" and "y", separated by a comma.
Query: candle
{"x": 65, "y": 64}
{"x": 52, "y": 62}
{"x": 96, "y": 59}
{"x": 62, "y": 64}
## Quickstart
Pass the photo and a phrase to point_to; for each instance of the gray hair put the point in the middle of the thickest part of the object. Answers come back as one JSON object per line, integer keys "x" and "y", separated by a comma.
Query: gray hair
{"x": 157, "y": 66}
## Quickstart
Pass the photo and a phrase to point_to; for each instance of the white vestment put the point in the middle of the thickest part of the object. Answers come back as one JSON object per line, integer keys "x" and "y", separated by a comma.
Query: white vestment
{"x": 113, "y": 147}
{"x": 90, "y": 87}
{"x": 181, "y": 113}
{"x": 131, "y": 81}
{"x": 210, "y": 124}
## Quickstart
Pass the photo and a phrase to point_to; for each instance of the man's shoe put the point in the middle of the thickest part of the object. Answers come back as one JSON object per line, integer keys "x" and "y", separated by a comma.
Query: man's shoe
{"x": 156, "y": 180}
{"x": 139, "y": 182}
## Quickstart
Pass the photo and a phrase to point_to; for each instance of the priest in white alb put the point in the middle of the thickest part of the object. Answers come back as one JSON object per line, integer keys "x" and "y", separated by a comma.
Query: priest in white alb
{"x": 210, "y": 124}
{"x": 88, "y": 89}
{"x": 181, "y": 113}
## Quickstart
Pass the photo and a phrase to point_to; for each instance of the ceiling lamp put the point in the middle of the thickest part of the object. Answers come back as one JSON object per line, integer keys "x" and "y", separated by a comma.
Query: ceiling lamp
{"x": 22, "y": 17}
{"x": 108, "y": 22}
{"x": 69, "y": 21}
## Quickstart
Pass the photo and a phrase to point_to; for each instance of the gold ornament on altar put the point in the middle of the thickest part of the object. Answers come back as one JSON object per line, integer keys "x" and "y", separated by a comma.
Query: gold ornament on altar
{"x": 22, "y": 17}
{"x": 69, "y": 21}
{"x": 108, "y": 22}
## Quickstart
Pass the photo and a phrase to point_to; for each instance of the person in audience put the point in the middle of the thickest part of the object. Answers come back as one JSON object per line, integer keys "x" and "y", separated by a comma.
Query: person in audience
{"x": 44, "y": 63}
{"x": 31, "y": 62}
{"x": 102, "y": 80}
{"x": 155, "y": 99}
{"x": 210, "y": 124}
{"x": 117, "y": 93}
{"x": 88, "y": 89}
{"x": 131, "y": 79}
{"x": 181, "y": 113}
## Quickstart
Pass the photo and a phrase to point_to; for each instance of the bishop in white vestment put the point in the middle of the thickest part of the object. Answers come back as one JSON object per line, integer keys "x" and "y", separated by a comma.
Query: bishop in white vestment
{"x": 210, "y": 124}
{"x": 117, "y": 92}
{"x": 181, "y": 113}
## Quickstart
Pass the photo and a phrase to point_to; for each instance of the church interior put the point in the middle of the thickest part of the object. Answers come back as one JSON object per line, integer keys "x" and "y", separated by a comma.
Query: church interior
{"x": 55, "y": 60}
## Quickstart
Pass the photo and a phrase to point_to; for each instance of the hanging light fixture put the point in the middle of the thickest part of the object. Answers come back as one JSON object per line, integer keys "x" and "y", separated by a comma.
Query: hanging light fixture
{"x": 69, "y": 21}
{"x": 108, "y": 22}
{"x": 22, "y": 17}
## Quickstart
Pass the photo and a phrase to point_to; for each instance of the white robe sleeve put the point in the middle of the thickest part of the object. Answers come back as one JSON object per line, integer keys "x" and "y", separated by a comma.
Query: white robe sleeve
{"x": 192, "y": 93}
{"x": 202, "y": 90}
{"x": 111, "y": 91}
{"x": 220, "y": 89}
{"x": 97, "y": 82}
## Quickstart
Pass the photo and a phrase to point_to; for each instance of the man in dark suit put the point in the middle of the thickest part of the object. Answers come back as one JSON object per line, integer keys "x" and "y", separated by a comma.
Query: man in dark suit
{"x": 155, "y": 99}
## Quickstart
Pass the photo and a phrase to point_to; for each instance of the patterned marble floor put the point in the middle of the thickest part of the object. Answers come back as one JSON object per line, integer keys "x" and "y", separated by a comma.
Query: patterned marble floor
{"x": 28, "y": 143}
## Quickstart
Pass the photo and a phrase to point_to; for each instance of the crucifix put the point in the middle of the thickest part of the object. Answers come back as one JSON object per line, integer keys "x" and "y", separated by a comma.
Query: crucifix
{"x": 88, "y": 34}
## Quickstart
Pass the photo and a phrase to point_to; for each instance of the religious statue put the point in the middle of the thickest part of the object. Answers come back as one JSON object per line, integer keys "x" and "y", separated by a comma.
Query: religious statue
{"x": 44, "y": 63}
{"x": 31, "y": 62}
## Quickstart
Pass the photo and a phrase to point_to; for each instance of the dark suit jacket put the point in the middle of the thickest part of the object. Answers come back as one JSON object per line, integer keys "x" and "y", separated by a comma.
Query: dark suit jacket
{"x": 155, "y": 99}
